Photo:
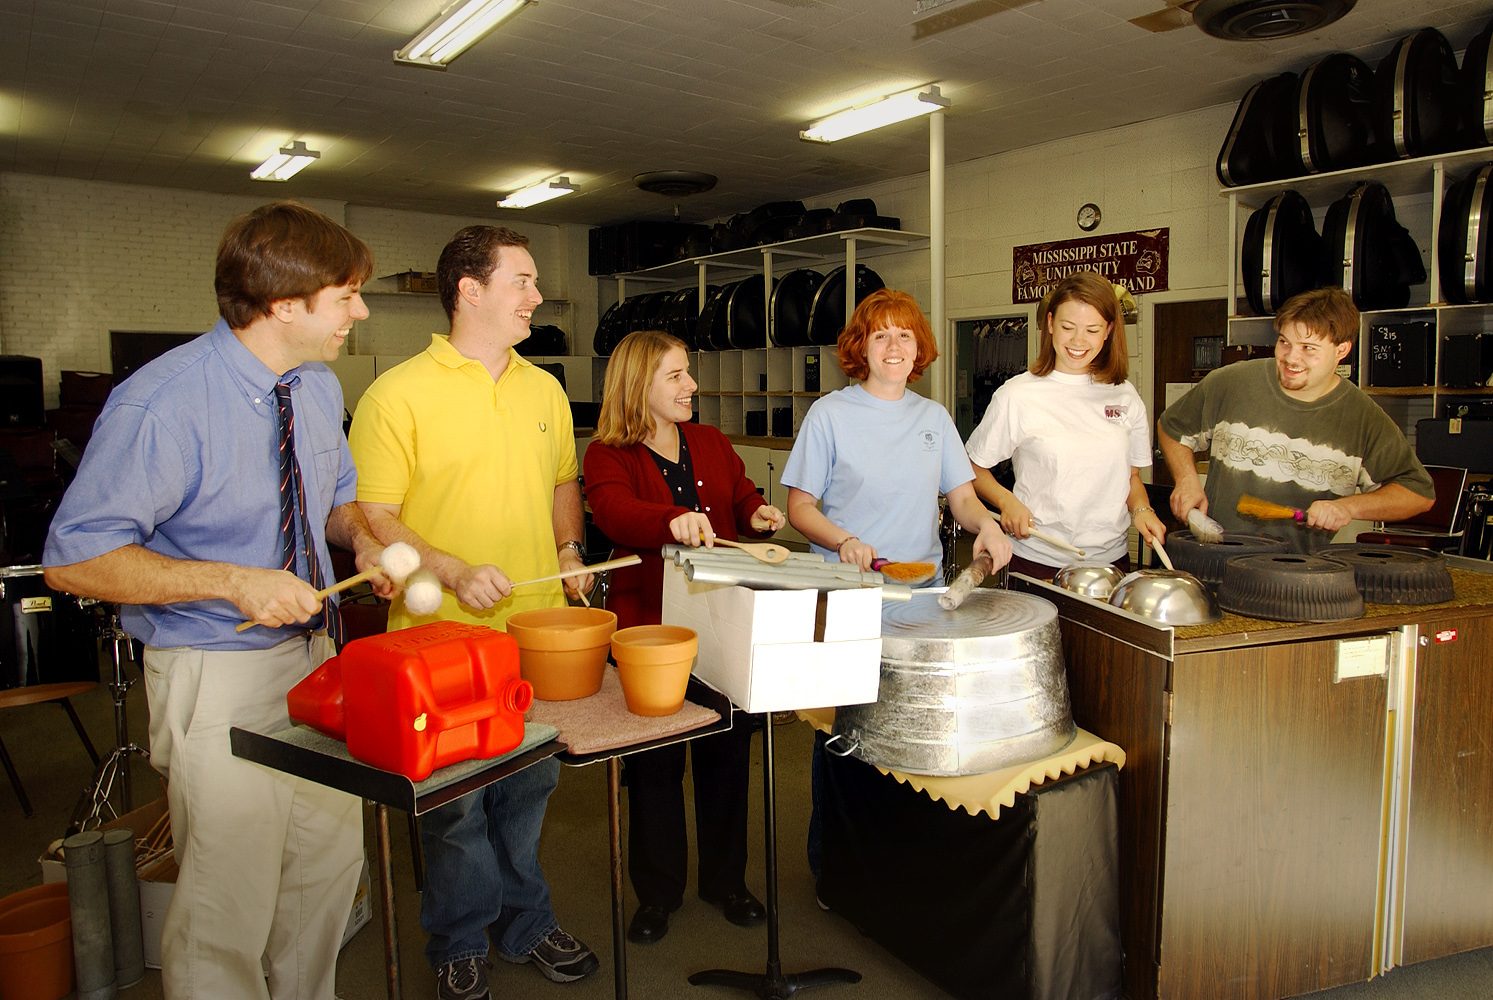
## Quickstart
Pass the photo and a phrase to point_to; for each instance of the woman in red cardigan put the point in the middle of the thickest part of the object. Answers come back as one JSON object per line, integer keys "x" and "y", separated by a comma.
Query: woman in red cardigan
{"x": 652, "y": 478}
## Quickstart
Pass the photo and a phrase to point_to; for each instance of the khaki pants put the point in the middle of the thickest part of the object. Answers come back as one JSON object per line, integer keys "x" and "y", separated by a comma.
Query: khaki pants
{"x": 269, "y": 862}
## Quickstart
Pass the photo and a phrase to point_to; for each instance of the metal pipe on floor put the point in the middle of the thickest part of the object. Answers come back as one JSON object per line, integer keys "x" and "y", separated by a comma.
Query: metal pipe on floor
{"x": 124, "y": 907}
{"x": 88, "y": 903}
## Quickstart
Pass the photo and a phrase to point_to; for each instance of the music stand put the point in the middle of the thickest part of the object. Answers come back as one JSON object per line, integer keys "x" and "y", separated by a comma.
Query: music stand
{"x": 772, "y": 984}
{"x": 115, "y": 766}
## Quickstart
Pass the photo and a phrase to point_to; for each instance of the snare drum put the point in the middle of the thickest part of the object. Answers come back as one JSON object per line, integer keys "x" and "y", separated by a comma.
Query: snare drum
{"x": 46, "y": 637}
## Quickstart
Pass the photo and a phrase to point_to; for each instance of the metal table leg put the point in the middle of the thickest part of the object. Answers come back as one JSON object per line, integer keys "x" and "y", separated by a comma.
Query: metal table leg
{"x": 386, "y": 899}
{"x": 614, "y": 834}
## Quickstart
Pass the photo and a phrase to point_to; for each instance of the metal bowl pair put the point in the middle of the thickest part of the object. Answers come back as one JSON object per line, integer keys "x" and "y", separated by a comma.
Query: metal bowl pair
{"x": 1169, "y": 597}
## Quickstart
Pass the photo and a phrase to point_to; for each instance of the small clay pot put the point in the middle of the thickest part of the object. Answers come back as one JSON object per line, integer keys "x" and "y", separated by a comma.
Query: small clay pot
{"x": 653, "y": 664}
{"x": 36, "y": 944}
{"x": 562, "y": 652}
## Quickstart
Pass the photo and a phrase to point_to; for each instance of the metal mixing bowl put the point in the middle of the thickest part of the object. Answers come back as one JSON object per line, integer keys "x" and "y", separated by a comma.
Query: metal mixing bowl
{"x": 1170, "y": 597}
{"x": 1090, "y": 579}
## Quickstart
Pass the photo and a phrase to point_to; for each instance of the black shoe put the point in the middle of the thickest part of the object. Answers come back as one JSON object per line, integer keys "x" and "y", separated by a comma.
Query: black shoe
{"x": 650, "y": 924}
{"x": 741, "y": 908}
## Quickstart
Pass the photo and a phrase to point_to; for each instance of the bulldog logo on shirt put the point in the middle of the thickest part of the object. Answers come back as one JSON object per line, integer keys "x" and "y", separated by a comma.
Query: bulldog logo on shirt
{"x": 1115, "y": 411}
{"x": 930, "y": 441}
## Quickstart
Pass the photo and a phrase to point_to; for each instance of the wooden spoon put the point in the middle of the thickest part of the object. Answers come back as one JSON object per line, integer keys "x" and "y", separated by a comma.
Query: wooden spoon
{"x": 767, "y": 552}
{"x": 1166, "y": 560}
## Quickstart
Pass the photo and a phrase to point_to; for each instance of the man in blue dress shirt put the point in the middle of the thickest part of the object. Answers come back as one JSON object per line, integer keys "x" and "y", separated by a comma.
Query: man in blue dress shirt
{"x": 176, "y": 513}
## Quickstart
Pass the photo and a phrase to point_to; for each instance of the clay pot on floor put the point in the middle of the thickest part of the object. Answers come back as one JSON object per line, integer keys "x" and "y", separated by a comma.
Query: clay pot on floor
{"x": 562, "y": 652}
{"x": 36, "y": 944}
{"x": 653, "y": 663}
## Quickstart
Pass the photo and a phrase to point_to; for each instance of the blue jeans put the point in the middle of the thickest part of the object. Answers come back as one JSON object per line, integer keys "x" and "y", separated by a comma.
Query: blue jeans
{"x": 482, "y": 869}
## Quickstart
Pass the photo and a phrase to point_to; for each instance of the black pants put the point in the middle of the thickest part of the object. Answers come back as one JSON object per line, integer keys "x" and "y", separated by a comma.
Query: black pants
{"x": 657, "y": 847}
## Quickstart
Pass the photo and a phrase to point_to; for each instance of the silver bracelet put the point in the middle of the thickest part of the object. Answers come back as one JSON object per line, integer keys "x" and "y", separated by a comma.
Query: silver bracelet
{"x": 1141, "y": 510}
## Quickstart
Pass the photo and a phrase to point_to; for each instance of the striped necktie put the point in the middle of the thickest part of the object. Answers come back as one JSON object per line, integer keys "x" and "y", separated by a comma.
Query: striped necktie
{"x": 293, "y": 507}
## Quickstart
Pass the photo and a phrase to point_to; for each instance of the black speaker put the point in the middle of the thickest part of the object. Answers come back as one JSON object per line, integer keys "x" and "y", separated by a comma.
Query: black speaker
{"x": 20, "y": 391}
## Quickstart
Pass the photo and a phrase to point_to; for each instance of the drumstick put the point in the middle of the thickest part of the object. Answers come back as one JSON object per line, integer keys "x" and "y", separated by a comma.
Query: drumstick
{"x": 1055, "y": 542}
{"x": 583, "y": 570}
{"x": 397, "y": 561}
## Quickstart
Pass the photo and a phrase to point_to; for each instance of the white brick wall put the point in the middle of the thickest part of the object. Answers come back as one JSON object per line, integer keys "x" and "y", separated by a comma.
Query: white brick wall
{"x": 80, "y": 258}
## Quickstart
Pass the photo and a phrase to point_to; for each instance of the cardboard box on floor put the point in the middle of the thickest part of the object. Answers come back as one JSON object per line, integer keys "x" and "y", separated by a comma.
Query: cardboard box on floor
{"x": 159, "y": 881}
{"x": 779, "y": 650}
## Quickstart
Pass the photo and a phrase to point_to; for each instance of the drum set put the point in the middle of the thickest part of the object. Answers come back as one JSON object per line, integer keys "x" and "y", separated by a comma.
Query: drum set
{"x": 49, "y": 652}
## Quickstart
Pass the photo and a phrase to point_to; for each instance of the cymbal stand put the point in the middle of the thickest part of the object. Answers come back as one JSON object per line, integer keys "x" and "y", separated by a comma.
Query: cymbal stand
{"x": 115, "y": 767}
{"x": 773, "y": 984}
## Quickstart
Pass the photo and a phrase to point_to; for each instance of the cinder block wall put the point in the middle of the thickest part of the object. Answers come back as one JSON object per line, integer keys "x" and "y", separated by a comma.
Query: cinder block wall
{"x": 80, "y": 258}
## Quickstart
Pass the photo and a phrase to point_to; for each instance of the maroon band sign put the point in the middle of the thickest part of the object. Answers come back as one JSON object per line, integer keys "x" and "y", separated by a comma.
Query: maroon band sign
{"x": 1139, "y": 261}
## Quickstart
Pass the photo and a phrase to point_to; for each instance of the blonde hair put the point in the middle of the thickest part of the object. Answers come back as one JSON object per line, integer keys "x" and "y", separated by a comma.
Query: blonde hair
{"x": 624, "y": 417}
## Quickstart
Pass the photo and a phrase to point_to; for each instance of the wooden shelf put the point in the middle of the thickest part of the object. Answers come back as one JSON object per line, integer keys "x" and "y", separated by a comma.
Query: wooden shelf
{"x": 869, "y": 242}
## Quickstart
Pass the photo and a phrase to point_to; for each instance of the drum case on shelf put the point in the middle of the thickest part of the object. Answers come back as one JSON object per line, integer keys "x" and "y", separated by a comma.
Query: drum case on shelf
{"x": 1415, "y": 96}
{"x": 1476, "y": 97}
{"x": 1281, "y": 255}
{"x": 1367, "y": 252}
{"x": 1469, "y": 447}
{"x": 1466, "y": 238}
{"x": 1400, "y": 354}
{"x": 1332, "y": 127}
{"x": 1251, "y": 151}
{"x": 1467, "y": 360}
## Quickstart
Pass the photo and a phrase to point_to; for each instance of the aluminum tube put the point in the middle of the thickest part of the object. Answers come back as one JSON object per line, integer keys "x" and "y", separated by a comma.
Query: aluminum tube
{"x": 809, "y": 577}
{"x": 772, "y": 578}
{"x": 88, "y": 901}
{"x": 679, "y": 553}
{"x": 124, "y": 907}
{"x": 843, "y": 570}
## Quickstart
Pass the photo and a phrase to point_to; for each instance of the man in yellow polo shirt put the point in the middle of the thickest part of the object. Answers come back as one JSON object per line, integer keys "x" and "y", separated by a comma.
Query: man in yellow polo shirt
{"x": 466, "y": 452}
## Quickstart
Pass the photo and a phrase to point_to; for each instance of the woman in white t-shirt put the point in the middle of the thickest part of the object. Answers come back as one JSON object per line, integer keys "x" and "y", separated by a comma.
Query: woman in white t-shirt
{"x": 1076, "y": 434}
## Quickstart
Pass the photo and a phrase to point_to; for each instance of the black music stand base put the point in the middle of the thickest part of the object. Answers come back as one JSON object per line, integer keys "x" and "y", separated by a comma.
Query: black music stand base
{"x": 772, "y": 984}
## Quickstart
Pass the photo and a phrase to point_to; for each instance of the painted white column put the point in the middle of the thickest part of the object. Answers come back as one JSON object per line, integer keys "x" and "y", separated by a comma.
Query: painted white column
{"x": 939, "y": 376}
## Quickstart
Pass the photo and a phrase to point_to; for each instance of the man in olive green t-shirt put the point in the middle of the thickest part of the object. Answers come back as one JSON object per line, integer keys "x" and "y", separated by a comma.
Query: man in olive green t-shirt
{"x": 1291, "y": 431}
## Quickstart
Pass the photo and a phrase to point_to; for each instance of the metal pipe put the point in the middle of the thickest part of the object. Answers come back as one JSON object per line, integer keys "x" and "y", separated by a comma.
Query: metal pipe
{"x": 679, "y": 553}
{"x": 773, "y": 578}
{"x": 845, "y": 571}
{"x": 802, "y": 577}
{"x": 88, "y": 904}
{"x": 614, "y": 839}
{"x": 124, "y": 907}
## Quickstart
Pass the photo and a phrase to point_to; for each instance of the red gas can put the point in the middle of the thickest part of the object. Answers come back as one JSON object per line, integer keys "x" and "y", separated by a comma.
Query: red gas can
{"x": 420, "y": 698}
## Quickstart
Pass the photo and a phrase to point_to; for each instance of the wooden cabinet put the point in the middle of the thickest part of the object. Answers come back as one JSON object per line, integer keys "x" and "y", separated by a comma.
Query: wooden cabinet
{"x": 1287, "y": 825}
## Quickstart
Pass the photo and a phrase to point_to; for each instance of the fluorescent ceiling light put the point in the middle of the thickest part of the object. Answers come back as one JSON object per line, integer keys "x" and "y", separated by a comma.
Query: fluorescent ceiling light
{"x": 285, "y": 164}
{"x": 456, "y": 30}
{"x": 888, "y": 110}
{"x": 536, "y": 193}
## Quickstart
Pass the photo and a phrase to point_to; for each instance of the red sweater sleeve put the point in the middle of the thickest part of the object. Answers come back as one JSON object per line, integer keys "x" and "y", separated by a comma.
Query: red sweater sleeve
{"x": 622, "y": 505}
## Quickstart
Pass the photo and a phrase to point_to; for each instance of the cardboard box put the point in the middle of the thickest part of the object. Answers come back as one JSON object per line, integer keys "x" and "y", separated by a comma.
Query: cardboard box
{"x": 416, "y": 281}
{"x": 772, "y": 650}
{"x": 158, "y": 882}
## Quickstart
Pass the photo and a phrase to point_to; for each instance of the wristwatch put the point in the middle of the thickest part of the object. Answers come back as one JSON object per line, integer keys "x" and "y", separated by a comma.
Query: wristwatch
{"x": 580, "y": 553}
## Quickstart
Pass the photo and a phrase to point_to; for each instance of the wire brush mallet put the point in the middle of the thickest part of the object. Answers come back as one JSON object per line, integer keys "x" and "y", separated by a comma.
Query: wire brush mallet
{"x": 397, "y": 562}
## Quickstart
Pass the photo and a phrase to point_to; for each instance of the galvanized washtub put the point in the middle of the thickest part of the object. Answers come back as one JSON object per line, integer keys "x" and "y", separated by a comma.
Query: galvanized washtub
{"x": 965, "y": 691}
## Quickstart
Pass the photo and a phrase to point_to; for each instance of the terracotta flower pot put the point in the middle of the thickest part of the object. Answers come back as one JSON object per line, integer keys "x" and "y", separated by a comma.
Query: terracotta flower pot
{"x": 562, "y": 652}
{"x": 36, "y": 944}
{"x": 653, "y": 663}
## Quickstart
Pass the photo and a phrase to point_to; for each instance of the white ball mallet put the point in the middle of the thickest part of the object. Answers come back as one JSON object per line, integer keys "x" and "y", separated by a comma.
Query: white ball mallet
{"x": 397, "y": 562}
